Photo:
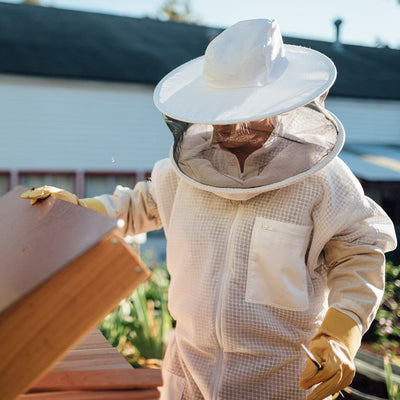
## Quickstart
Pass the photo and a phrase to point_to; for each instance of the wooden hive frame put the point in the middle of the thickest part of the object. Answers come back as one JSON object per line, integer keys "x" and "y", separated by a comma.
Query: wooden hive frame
{"x": 63, "y": 269}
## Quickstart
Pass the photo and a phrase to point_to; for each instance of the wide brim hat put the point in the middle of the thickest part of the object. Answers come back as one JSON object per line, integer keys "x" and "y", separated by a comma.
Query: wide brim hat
{"x": 246, "y": 74}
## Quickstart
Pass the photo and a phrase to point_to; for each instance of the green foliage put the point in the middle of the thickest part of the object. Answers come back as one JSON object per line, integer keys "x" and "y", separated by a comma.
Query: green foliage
{"x": 139, "y": 327}
{"x": 176, "y": 10}
{"x": 388, "y": 326}
{"x": 392, "y": 389}
{"x": 388, "y": 315}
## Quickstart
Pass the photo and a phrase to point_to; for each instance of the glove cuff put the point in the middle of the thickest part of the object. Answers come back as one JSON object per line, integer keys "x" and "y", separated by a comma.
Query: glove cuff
{"x": 343, "y": 328}
{"x": 93, "y": 204}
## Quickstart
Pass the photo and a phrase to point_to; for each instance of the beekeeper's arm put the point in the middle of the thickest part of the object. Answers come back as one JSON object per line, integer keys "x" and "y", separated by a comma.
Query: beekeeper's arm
{"x": 43, "y": 192}
{"x": 356, "y": 264}
{"x": 136, "y": 207}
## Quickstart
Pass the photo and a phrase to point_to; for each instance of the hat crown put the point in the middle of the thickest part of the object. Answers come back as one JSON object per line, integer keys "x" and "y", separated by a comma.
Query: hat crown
{"x": 248, "y": 54}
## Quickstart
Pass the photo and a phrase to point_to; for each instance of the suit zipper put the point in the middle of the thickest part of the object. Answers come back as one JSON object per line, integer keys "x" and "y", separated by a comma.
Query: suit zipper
{"x": 222, "y": 287}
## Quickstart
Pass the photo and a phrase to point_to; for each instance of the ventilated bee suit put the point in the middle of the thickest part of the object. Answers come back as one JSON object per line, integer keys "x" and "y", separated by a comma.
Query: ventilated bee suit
{"x": 256, "y": 256}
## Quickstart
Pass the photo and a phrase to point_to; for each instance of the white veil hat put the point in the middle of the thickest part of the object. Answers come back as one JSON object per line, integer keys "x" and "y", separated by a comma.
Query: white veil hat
{"x": 246, "y": 74}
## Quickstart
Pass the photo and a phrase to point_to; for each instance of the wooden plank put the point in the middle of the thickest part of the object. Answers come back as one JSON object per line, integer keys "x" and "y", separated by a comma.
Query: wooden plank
{"x": 92, "y": 353}
{"x": 93, "y": 340}
{"x": 113, "y": 379}
{"x": 36, "y": 331}
{"x": 86, "y": 359}
{"x": 92, "y": 360}
{"x": 144, "y": 394}
{"x": 75, "y": 372}
{"x": 37, "y": 241}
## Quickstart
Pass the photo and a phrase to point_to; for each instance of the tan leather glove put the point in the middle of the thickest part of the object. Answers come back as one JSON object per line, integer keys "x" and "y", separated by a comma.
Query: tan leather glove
{"x": 44, "y": 192}
{"x": 334, "y": 347}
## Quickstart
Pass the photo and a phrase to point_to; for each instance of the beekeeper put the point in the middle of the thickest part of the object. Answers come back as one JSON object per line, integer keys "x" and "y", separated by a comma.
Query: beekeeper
{"x": 271, "y": 242}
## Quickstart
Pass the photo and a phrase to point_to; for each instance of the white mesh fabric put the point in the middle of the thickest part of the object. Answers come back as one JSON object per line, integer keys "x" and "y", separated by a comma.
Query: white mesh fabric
{"x": 226, "y": 345}
{"x": 259, "y": 344}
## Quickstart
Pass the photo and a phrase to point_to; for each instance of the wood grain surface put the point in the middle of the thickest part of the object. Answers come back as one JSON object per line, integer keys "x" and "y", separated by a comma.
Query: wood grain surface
{"x": 90, "y": 274}
{"x": 37, "y": 241}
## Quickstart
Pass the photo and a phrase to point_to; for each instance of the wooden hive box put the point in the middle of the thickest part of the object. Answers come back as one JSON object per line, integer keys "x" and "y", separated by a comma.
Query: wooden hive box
{"x": 62, "y": 269}
{"x": 95, "y": 370}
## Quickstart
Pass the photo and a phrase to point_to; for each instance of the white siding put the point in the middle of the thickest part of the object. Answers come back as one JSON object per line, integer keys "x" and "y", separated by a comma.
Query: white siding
{"x": 368, "y": 121}
{"x": 60, "y": 124}
{"x": 57, "y": 124}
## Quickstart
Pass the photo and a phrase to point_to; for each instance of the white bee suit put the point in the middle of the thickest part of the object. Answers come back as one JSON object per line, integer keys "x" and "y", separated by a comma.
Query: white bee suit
{"x": 256, "y": 257}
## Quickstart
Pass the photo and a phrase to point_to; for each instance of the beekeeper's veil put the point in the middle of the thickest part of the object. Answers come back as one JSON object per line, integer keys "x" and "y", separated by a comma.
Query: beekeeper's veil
{"x": 248, "y": 74}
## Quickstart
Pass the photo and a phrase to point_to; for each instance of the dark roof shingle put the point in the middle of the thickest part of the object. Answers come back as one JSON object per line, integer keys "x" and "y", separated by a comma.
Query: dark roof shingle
{"x": 54, "y": 42}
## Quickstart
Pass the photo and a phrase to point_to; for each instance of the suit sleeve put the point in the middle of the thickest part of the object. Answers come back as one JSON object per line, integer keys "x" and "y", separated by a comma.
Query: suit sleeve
{"x": 135, "y": 207}
{"x": 355, "y": 252}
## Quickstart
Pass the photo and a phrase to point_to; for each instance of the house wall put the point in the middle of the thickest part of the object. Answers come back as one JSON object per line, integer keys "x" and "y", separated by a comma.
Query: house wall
{"x": 58, "y": 124}
{"x": 78, "y": 128}
{"x": 367, "y": 121}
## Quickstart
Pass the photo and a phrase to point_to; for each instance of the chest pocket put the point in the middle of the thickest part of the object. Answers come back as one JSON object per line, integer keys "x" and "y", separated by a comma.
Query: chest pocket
{"x": 277, "y": 273}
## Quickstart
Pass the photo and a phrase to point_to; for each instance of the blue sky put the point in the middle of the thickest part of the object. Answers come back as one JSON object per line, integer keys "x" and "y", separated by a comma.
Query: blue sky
{"x": 364, "y": 21}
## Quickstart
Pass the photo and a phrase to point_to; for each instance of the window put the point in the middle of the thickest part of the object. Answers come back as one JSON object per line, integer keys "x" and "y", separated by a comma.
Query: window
{"x": 61, "y": 180}
{"x": 4, "y": 183}
{"x": 105, "y": 183}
